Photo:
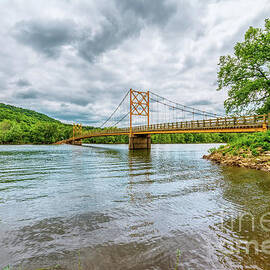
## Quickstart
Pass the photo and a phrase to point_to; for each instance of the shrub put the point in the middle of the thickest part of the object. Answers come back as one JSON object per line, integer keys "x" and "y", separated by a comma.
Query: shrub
{"x": 212, "y": 150}
{"x": 254, "y": 152}
{"x": 255, "y": 143}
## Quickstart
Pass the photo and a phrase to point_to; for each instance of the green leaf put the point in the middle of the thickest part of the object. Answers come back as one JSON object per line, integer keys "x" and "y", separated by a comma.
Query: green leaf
{"x": 246, "y": 73}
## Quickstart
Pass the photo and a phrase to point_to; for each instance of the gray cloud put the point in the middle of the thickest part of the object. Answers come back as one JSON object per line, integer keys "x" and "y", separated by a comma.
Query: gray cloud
{"x": 97, "y": 50}
{"x": 46, "y": 37}
{"x": 158, "y": 12}
{"x": 22, "y": 83}
{"x": 201, "y": 102}
{"x": 28, "y": 94}
{"x": 126, "y": 21}
{"x": 43, "y": 94}
{"x": 188, "y": 63}
{"x": 111, "y": 35}
{"x": 73, "y": 116}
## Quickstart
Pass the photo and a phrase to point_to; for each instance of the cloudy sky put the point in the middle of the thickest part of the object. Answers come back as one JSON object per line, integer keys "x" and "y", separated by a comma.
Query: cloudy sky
{"x": 75, "y": 59}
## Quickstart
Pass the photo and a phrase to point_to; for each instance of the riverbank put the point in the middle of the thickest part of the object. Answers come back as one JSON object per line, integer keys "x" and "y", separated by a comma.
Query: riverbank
{"x": 250, "y": 151}
{"x": 261, "y": 162}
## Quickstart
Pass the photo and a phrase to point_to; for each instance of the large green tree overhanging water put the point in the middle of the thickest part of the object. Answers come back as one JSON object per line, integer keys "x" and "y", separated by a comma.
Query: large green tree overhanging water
{"x": 246, "y": 74}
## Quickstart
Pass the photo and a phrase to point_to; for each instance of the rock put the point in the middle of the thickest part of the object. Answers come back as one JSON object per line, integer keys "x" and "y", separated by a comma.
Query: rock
{"x": 260, "y": 163}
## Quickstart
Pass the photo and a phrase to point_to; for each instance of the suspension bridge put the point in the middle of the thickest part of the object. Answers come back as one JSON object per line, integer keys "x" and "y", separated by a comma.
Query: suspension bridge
{"x": 142, "y": 113}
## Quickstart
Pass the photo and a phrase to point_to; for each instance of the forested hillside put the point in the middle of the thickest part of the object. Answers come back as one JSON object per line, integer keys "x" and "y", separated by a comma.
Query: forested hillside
{"x": 19, "y": 126}
{"x": 8, "y": 112}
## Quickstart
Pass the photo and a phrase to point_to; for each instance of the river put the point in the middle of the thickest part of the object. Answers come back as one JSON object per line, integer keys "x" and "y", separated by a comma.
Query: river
{"x": 103, "y": 207}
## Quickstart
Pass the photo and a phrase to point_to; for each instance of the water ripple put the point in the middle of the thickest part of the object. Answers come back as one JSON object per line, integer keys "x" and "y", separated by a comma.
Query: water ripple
{"x": 126, "y": 210}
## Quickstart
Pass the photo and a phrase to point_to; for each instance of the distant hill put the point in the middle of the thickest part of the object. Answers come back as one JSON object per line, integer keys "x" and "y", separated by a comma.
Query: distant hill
{"x": 23, "y": 126}
{"x": 8, "y": 112}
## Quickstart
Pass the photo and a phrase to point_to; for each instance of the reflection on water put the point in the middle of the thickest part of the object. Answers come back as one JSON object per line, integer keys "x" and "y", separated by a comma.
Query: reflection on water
{"x": 114, "y": 209}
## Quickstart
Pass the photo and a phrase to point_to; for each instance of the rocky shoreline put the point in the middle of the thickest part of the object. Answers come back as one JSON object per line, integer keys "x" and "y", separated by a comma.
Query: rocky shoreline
{"x": 261, "y": 162}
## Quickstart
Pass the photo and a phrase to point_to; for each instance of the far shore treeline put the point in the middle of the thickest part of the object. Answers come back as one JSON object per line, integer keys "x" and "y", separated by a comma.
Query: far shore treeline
{"x": 22, "y": 126}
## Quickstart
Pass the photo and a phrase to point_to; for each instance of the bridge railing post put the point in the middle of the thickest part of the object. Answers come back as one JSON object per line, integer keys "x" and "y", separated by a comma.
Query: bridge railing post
{"x": 264, "y": 122}
{"x": 73, "y": 133}
{"x": 234, "y": 121}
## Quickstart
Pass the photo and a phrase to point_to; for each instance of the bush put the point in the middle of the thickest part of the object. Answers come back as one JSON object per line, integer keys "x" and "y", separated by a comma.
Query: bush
{"x": 255, "y": 143}
{"x": 212, "y": 150}
{"x": 254, "y": 152}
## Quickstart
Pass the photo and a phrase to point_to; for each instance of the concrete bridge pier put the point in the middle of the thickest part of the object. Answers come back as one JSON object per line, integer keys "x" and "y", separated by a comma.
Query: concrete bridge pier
{"x": 140, "y": 141}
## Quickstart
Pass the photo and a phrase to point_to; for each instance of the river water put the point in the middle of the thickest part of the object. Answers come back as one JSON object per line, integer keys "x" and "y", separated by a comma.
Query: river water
{"x": 103, "y": 207}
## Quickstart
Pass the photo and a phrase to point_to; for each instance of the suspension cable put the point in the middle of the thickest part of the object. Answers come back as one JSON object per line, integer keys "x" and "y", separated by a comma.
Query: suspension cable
{"x": 181, "y": 109}
{"x": 173, "y": 106}
{"x": 121, "y": 119}
{"x": 201, "y": 112}
{"x": 114, "y": 110}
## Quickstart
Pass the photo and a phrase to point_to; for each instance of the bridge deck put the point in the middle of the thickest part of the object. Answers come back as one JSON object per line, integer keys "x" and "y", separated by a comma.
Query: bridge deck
{"x": 254, "y": 123}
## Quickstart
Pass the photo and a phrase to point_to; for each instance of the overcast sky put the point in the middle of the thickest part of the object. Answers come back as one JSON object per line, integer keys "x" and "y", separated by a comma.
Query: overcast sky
{"x": 75, "y": 59}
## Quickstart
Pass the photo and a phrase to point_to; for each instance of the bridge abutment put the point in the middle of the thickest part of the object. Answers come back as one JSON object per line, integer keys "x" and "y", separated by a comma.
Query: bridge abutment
{"x": 140, "y": 141}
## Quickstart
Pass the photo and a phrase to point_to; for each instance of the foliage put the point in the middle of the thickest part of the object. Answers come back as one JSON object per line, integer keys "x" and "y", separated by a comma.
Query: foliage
{"x": 178, "y": 254}
{"x": 8, "y": 112}
{"x": 211, "y": 150}
{"x": 21, "y": 126}
{"x": 247, "y": 73}
{"x": 249, "y": 144}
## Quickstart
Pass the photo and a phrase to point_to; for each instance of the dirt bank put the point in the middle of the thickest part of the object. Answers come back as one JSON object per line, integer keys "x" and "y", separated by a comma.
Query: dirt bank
{"x": 261, "y": 162}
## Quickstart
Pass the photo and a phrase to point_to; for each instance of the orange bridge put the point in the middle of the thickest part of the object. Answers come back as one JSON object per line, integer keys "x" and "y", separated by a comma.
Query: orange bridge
{"x": 140, "y": 134}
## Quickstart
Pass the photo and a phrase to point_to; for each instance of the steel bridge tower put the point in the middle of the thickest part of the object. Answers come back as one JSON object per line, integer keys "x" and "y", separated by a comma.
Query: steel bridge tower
{"x": 139, "y": 106}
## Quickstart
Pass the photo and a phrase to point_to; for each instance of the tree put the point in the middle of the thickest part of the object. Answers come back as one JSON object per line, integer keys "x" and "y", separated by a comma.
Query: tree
{"x": 189, "y": 138}
{"x": 247, "y": 73}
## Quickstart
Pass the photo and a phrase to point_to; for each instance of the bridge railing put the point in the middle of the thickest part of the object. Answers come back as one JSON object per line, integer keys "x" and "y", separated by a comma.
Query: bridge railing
{"x": 232, "y": 122}
{"x": 217, "y": 123}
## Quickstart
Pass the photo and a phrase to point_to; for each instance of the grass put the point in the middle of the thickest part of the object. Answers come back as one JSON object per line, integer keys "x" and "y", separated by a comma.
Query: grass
{"x": 249, "y": 144}
{"x": 178, "y": 254}
{"x": 79, "y": 261}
